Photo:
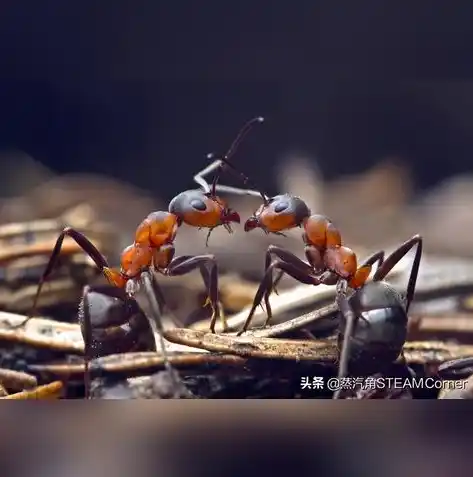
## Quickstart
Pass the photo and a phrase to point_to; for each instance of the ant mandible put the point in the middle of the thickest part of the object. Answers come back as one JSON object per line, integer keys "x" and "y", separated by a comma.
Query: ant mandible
{"x": 154, "y": 237}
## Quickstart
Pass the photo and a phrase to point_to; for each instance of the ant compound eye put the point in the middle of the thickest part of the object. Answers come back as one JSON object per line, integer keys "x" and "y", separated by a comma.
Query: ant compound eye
{"x": 198, "y": 204}
{"x": 281, "y": 206}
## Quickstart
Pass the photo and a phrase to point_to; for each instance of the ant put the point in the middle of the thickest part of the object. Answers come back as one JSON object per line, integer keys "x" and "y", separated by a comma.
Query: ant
{"x": 328, "y": 260}
{"x": 153, "y": 245}
{"x": 374, "y": 318}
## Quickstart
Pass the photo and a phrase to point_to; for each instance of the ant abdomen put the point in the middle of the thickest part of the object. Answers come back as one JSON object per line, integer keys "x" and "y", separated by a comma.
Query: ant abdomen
{"x": 116, "y": 323}
{"x": 380, "y": 329}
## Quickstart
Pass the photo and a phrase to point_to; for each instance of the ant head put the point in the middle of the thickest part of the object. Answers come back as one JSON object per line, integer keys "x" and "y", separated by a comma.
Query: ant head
{"x": 279, "y": 213}
{"x": 202, "y": 209}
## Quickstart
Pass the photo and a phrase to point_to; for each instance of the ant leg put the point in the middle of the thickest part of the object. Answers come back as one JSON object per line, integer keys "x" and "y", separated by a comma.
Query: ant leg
{"x": 221, "y": 163}
{"x": 147, "y": 280}
{"x": 159, "y": 296}
{"x": 298, "y": 270}
{"x": 206, "y": 276}
{"x": 183, "y": 265}
{"x": 218, "y": 164}
{"x": 277, "y": 280}
{"x": 87, "y": 336}
{"x": 89, "y": 248}
{"x": 199, "y": 177}
{"x": 395, "y": 257}
{"x": 364, "y": 270}
{"x": 237, "y": 191}
{"x": 282, "y": 254}
{"x": 372, "y": 259}
{"x": 350, "y": 318}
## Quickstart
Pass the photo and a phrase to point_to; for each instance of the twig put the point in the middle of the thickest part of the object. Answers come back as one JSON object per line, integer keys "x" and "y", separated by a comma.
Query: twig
{"x": 419, "y": 352}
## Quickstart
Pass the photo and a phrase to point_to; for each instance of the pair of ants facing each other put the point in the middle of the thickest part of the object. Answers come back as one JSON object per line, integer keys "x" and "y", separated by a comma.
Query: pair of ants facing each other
{"x": 373, "y": 315}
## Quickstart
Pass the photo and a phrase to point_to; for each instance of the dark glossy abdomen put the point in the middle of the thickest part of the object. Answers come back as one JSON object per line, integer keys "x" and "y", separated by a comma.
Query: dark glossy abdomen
{"x": 378, "y": 337}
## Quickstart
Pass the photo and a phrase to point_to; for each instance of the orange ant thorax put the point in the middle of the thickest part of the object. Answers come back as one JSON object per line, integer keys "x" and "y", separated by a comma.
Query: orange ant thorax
{"x": 134, "y": 259}
{"x": 321, "y": 233}
{"x": 157, "y": 229}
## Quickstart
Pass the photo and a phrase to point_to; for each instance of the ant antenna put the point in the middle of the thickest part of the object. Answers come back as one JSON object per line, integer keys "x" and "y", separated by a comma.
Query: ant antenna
{"x": 224, "y": 161}
{"x": 243, "y": 132}
{"x": 220, "y": 163}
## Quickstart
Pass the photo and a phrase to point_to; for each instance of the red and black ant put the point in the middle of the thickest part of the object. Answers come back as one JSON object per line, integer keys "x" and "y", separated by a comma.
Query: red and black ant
{"x": 153, "y": 245}
{"x": 328, "y": 260}
{"x": 373, "y": 323}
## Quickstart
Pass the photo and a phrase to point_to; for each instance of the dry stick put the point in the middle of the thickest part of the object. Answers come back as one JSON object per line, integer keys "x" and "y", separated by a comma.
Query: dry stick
{"x": 420, "y": 352}
{"x": 295, "y": 324}
{"x": 48, "y": 391}
{"x": 238, "y": 351}
{"x": 139, "y": 363}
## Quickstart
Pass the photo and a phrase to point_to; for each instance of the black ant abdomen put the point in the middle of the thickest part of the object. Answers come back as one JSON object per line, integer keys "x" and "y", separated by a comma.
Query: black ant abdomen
{"x": 380, "y": 328}
{"x": 111, "y": 322}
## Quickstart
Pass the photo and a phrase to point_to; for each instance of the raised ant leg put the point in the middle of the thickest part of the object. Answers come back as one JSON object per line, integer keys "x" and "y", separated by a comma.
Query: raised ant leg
{"x": 185, "y": 264}
{"x": 395, "y": 257}
{"x": 87, "y": 246}
{"x": 297, "y": 269}
{"x": 236, "y": 191}
{"x": 200, "y": 176}
{"x": 221, "y": 163}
